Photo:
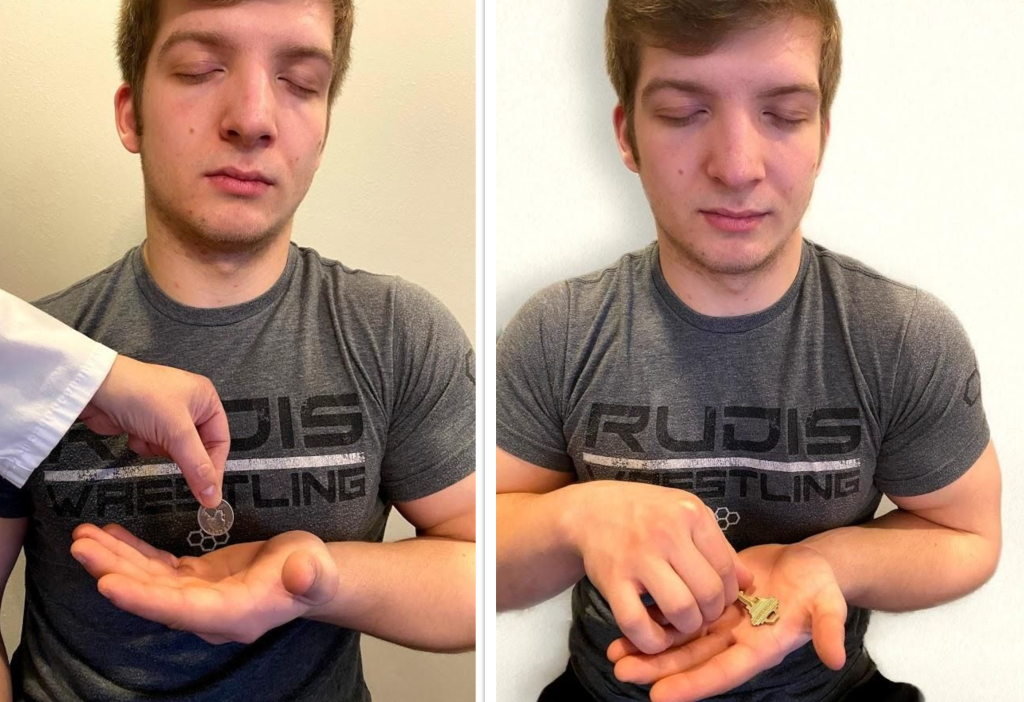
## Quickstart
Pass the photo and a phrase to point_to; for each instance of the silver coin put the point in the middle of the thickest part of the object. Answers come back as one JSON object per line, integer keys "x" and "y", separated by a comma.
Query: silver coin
{"x": 216, "y": 521}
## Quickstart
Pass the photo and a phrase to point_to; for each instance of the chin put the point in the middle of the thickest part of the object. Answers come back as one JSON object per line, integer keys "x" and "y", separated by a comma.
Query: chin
{"x": 237, "y": 237}
{"x": 727, "y": 258}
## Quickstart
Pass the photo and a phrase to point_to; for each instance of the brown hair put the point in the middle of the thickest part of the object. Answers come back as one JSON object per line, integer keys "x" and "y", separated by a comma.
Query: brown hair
{"x": 137, "y": 28}
{"x": 696, "y": 27}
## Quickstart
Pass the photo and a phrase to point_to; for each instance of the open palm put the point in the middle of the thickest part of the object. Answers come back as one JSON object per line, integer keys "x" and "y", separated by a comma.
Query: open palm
{"x": 236, "y": 593}
{"x": 812, "y": 608}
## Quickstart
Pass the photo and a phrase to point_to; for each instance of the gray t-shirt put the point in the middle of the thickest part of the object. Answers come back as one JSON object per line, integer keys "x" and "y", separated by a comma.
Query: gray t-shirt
{"x": 787, "y": 422}
{"x": 346, "y": 392}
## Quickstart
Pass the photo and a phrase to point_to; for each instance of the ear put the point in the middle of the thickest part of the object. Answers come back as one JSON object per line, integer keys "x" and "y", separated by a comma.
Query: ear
{"x": 825, "y": 131}
{"x": 124, "y": 118}
{"x": 622, "y": 137}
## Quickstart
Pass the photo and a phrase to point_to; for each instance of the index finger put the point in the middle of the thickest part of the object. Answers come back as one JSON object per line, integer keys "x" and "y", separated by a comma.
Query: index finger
{"x": 635, "y": 621}
{"x": 215, "y": 434}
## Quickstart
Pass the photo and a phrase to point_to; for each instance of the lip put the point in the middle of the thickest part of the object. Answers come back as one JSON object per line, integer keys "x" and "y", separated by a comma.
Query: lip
{"x": 734, "y": 220}
{"x": 235, "y": 181}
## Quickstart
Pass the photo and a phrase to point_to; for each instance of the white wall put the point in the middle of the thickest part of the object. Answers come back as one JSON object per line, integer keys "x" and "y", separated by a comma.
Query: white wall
{"x": 395, "y": 193}
{"x": 921, "y": 181}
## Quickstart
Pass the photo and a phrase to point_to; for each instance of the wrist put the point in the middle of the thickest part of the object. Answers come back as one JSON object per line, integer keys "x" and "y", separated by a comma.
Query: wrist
{"x": 570, "y": 513}
{"x": 829, "y": 547}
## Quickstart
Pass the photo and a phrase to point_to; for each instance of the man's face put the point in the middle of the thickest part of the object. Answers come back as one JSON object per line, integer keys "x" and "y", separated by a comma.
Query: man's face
{"x": 729, "y": 144}
{"x": 234, "y": 112}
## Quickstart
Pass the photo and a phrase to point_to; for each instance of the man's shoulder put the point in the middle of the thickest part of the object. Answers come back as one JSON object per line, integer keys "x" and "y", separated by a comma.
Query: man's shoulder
{"x": 593, "y": 290}
{"x": 856, "y": 281}
{"x": 879, "y": 303}
{"x": 626, "y": 270}
{"x": 76, "y": 303}
{"x": 390, "y": 296}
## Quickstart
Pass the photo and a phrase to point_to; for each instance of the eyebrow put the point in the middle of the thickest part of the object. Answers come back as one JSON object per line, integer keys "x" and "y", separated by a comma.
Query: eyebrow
{"x": 696, "y": 88}
{"x": 219, "y": 41}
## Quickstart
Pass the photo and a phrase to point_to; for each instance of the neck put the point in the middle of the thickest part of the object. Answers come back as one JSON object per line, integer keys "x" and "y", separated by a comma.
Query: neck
{"x": 196, "y": 275}
{"x": 718, "y": 294}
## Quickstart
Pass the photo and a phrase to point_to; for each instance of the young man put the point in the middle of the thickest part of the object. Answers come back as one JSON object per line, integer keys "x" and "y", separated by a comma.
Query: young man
{"x": 347, "y": 393}
{"x": 753, "y": 394}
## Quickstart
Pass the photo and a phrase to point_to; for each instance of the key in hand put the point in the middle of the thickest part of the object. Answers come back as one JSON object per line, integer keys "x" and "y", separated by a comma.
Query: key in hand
{"x": 763, "y": 610}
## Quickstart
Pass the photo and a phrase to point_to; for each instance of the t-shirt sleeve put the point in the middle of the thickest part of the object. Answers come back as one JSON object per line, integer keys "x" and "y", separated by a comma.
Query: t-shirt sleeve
{"x": 529, "y": 379}
{"x": 937, "y": 427}
{"x": 431, "y": 441}
{"x": 15, "y": 502}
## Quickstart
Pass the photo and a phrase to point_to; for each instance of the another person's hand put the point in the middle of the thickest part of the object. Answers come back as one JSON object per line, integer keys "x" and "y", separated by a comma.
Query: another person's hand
{"x": 166, "y": 412}
{"x": 811, "y": 608}
{"x": 636, "y": 538}
{"x": 236, "y": 593}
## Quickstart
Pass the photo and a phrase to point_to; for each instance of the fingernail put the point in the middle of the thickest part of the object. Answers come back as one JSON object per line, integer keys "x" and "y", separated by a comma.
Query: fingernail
{"x": 209, "y": 495}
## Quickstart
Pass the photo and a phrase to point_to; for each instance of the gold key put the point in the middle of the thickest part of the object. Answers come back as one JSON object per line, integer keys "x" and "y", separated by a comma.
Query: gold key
{"x": 763, "y": 610}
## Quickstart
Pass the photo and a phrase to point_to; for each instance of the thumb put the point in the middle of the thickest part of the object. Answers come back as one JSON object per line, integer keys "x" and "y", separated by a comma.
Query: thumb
{"x": 744, "y": 577}
{"x": 828, "y": 631}
{"x": 186, "y": 449}
{"x": 308, "y": 577}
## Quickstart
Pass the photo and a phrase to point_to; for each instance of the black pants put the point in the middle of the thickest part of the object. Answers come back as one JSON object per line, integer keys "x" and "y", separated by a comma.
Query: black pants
{"x": 567, "y": 688}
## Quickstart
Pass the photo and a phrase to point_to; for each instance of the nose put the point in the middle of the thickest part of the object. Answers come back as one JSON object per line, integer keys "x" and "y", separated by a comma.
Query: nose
{"x": 248, "y": 119}
{"x": 735, "y": 155}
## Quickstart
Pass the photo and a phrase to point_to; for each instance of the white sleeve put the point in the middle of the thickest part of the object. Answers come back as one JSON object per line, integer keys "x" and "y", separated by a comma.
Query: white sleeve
{"x": 48, "y": 374}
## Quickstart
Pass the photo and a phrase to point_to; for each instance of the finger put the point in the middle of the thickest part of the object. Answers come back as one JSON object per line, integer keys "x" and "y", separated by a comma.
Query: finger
{"x": 104, "y": 540}
{"x": 706, "y": 583}
{"x": 309, "y": 577}
{"x": 215, "y": 433}
{"x": 828, "y": 632}
{"x": 657, "y": 615}
{"x": 720, "y": 673}
{"x": 622, "y": 647}
{"x": 672, "y": 596}
{"x": 634, "y": 621}
{"x": 187, "y": 450}
{"x": 150, "y": 552}
{"x": 185, "y": 609}
{"x": 644, "y": 670}
{"x": 101, "y": 423}
{"x": 124, "y": 544}
{"x": 141, "y": 446}
{"x": 214, "y": 639}
{"x": 99, "y": 561}
{"x": 709, "y": 540}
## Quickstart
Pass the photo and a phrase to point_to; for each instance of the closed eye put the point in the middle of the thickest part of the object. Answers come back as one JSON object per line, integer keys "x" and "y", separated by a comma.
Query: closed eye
{"x": 785, "y": 122}
{"x": 194, "y": 78}
{"x": 682, "y": 120}
{"x": 301, "y": 90}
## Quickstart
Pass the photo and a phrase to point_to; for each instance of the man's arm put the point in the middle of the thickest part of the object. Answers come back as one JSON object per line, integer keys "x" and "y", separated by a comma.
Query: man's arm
{"x": 12, "y": 536}
{"x": 420, "y": 592}
{"x": 932, "y": 549}
{"x": 628, "y": 538}
{"x": 534, "y": 555}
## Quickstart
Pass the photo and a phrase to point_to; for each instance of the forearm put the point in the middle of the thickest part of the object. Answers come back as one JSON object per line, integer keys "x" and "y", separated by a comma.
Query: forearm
{"x": 901, "y": 562}
{"x": 535, "y": 556}
{"x": 419, "y": 593}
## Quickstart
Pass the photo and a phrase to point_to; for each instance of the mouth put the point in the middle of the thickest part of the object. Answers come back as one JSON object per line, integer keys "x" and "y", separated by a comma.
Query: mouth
{"x": 735, "y": 220}
{"x": 235, "y": 181}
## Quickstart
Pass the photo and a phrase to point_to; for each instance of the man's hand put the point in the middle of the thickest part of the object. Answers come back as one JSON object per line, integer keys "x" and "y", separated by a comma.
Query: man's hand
{"x": 166, "y": 412}
{"x": 236, "y": 593}
{"x": 811, "y": 608}
{"x": 635, "y": 538}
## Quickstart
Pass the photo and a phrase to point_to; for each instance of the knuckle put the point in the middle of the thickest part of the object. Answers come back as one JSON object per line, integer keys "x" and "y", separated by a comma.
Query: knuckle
{"x": 630, "y": 621}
